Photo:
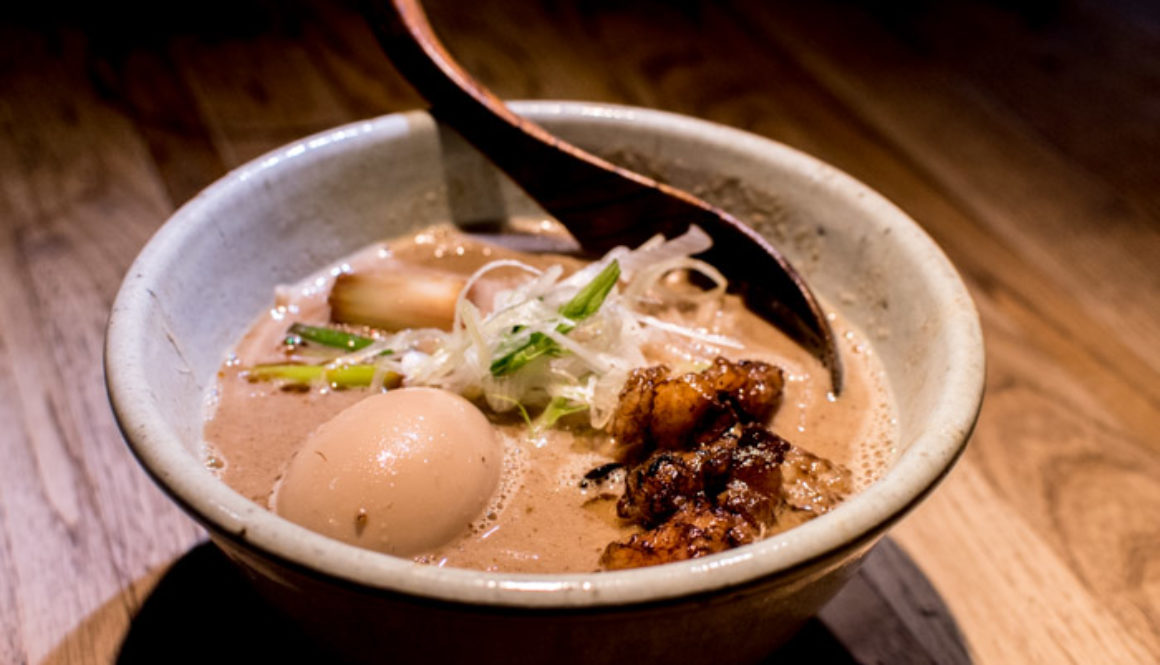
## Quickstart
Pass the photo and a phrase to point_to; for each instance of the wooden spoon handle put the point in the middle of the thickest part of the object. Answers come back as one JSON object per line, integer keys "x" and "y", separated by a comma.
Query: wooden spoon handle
{"x": 601, "y": 204}
{"x": 568, "y": 182}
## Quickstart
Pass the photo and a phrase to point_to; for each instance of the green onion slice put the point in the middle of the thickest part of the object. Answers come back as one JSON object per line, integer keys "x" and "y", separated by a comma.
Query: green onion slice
{"x": 557, "y": 409}
{"x": 343, "y": 376}
{"x": 583, "y": 305}
{"x": 329, "y": 337}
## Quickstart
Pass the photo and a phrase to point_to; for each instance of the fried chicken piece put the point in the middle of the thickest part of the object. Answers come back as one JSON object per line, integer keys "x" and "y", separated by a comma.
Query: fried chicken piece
{"x": 659, "y": 486}
{"x": 681, "y": 407}
{"x": 756, "y": 508}
{"x": 658, "y": 411}
{"x": 716, "y": 459}
{"x": 712, "y": 475}
{"x": 696, "y": 530}
{"x": 757, "y": 459}
{"x": 633, "y": 416}
{"x": 754, "y": 388}
{"x": 813, "y": 484}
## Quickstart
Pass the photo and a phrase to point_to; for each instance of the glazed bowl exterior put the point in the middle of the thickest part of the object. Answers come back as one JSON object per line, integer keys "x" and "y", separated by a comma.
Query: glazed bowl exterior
{"x": 213, "y": 266}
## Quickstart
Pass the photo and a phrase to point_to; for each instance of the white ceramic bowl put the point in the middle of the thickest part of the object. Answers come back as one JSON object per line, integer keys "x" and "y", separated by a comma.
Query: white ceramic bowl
{"x": 201, "y": 280}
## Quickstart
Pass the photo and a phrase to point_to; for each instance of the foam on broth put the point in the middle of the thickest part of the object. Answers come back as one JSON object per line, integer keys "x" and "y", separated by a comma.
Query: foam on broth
{"x": 543, "y": 519}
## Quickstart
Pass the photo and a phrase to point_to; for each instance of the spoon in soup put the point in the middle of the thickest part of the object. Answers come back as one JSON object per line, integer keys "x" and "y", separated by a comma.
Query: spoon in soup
{"x": 602, "y": 205}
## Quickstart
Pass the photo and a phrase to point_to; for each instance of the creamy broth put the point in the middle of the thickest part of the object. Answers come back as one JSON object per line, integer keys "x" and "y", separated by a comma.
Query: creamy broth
{"x": 544, "y": 518}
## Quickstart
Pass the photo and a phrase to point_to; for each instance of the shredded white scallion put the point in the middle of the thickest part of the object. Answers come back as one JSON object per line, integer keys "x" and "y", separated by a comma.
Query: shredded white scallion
{"x": 483, "y": 270}
{"x": 584, "y": 361}
{"x": 685, "y": 331}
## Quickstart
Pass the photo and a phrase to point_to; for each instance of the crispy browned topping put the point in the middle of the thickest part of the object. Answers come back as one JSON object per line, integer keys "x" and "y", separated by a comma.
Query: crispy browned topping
{"x": 658, "y": 411}
{"x": 812, "y": 484}
{"x": 658, "y": 487}
{"x": 697, "y": 529}
{"x": 712, "y": 475}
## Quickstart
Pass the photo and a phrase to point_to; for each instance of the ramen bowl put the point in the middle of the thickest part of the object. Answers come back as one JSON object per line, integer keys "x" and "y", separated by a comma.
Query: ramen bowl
{"x": 200, "y": 281}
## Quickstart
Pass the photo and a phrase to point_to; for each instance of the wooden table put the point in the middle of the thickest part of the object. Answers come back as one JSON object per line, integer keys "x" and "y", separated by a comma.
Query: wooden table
{"x": 1026, "y": 141}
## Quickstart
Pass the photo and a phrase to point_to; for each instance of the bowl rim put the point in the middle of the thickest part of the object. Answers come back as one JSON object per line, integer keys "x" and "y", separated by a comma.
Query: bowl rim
{"x": 859, "y": 518}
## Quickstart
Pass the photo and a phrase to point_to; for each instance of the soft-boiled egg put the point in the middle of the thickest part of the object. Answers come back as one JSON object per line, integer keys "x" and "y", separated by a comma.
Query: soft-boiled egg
{"x": 401, "y": 472}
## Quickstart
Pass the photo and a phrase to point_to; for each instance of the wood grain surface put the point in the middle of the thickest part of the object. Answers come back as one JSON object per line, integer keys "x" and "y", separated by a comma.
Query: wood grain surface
{"x": 1024, "y": 137}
